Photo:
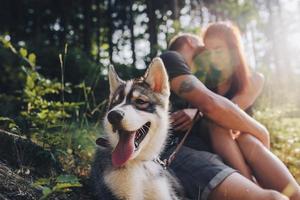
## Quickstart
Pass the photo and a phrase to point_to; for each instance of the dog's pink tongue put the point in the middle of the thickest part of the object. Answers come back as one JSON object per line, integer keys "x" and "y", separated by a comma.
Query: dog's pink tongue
{"x": 123, "y": 150}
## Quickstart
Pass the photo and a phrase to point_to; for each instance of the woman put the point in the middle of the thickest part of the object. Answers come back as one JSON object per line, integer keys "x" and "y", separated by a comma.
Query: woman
{"x": 233, "y": 81}
{"x": 230, "y": 77}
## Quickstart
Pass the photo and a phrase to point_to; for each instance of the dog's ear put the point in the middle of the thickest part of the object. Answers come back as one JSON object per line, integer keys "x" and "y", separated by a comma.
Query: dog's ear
{"x": 114, "y": 80}
{"x": 157, "y": 77}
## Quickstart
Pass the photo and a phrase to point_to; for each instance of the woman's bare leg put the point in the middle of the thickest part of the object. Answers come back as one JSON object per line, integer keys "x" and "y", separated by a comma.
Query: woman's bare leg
{"x": 227, "y": 148}
{"x": 268, "y": 169}
{"x": 237, "y": 187}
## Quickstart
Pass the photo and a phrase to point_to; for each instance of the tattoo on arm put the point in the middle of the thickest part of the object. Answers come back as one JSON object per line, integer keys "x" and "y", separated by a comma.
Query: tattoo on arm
{"x": 186, "y": 86}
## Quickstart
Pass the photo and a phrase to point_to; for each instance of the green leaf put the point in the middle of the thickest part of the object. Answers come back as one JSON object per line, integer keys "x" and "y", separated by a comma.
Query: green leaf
{"x": 30, "y": 82}
{"x": 23, "y": 52}
{"x": 42, "y": 115}
{"x": 67, "y": 179}
{"x": 42, "y": 182}
{"x": 32, "y": 58}
{"x": 5, "y": 119}
{"x": 46, "y": 192}
{"x": 104, "y": 46}
{"x": 61, "y": 186}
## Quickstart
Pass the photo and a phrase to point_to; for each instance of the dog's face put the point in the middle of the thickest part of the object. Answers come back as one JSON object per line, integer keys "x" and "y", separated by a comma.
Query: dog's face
{"x": 137, "y": 118}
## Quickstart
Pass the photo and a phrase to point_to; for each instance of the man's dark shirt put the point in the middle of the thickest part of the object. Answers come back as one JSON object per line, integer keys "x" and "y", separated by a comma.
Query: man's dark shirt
{"x": 176, "y": 66}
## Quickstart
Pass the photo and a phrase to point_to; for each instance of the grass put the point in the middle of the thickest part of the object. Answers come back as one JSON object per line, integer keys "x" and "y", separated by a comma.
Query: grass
{"x": 79, "y": 146}
{"x": 286, "y": 143}
{"x": 285, "y": 136}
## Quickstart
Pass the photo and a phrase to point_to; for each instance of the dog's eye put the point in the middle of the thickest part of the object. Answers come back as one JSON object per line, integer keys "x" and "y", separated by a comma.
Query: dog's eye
{"x": 141, "y": 103}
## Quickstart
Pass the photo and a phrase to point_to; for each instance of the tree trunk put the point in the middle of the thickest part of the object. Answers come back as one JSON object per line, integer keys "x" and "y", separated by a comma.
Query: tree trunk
{"x": 285, "y": 64}
{"x": 201, "y": 13}
{"x": 98, "y": 28}
{"x": 110, "y": 30}
{"x": 271, "y": 36}
{"x": 131, "y": 27}
{"x": 87, "y": 31}
{"x": 253, "y": 44}
{"x": 175, "y": 9}
{"x": 152, "y": 27}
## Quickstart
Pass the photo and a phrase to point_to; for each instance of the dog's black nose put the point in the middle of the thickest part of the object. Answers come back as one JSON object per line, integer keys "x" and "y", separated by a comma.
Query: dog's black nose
{"x": 115, "y": 116}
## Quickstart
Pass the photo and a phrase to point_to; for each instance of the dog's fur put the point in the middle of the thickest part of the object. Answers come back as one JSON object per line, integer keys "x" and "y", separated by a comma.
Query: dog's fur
{"x": 127, "y": 169}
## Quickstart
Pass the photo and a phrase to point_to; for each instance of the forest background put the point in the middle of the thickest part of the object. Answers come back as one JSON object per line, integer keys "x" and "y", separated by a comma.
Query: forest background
{"x": 54, "y": 56}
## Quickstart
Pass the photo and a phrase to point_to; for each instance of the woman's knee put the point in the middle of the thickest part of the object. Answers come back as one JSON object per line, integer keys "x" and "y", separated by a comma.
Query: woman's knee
{"x": 274, "y": 195}
{"x": 251, "y": 147}
{"x": 245, "y": 138}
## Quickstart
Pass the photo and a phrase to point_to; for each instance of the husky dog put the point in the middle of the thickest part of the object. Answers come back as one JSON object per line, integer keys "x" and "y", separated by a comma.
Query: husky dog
{"x": 136, "y": 125}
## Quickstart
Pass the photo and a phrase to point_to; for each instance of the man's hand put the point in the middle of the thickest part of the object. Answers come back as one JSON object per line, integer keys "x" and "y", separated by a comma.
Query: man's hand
{"x": 182, "y": 120}
{"x": 217, "y": 108}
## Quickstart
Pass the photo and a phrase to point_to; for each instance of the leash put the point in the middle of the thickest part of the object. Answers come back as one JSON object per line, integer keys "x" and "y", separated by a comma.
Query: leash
{"x": 166, "y": 162}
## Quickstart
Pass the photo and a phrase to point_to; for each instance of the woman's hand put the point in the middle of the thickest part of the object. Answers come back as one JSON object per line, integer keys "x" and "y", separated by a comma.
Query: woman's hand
{"x": 234, "y": 134}
{"x": 182, "y": 120}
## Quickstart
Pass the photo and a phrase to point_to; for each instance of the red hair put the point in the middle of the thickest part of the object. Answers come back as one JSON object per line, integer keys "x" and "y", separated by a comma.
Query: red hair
{"x": 230, "y": 34}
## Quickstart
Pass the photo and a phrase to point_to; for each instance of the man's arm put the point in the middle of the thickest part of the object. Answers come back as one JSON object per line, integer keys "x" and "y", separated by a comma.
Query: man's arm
{"x": 217, "y": 108}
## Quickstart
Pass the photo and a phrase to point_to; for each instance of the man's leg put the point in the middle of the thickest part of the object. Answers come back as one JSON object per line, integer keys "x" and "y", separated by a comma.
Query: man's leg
{"x": 199, "y": 172}
{"x": 267, "y": 168}
{"x": 237, "y": 187}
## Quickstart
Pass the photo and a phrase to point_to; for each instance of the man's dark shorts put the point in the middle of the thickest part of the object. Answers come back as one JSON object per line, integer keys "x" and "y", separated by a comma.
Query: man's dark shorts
{"x": 199, "y": 172}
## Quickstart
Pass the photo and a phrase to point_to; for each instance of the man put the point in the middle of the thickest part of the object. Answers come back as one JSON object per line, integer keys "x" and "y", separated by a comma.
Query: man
{"x": 203, "y": 174}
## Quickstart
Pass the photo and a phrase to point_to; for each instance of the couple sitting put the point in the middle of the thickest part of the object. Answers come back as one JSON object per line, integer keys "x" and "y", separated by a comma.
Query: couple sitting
{"x": 225, "y": 132}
